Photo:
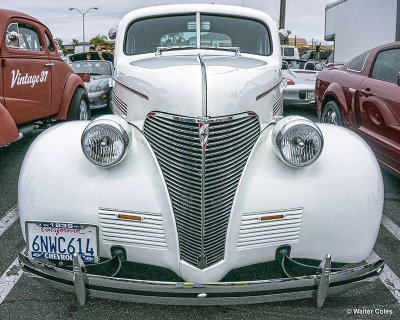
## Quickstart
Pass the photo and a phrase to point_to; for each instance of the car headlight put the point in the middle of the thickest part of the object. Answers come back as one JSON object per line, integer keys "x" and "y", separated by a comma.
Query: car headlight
{"x": 297, "y": 141}
{"x": 95, "y": 89}
{"x": 106, "y": 140}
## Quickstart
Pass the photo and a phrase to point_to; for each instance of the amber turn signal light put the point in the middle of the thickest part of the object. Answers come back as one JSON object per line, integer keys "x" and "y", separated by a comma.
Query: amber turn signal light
{"x": 279, "y": 216}
{"x": 127, "y": 217}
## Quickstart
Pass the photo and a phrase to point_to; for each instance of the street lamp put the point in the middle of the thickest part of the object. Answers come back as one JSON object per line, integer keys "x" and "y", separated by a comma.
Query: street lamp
{"x": 83, "y": 19}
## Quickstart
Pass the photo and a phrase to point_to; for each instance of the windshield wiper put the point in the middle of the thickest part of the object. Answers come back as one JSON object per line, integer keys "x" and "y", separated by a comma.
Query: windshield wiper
{"x": 233, "y": 49}
{"x": 160, "y": 50}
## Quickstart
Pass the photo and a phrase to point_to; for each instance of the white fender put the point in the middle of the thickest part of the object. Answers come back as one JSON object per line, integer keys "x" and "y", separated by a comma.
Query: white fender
{"x": 340, "y": 194}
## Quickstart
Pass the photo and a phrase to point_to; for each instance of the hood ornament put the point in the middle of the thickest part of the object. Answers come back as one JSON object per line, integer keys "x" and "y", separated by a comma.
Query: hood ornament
{"x": 203, "y": 134}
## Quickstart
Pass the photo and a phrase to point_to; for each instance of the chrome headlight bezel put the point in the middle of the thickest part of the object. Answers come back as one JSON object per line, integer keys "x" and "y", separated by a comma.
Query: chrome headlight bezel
{"x": 117, "y": 127}
{"x": 289, "y": 125}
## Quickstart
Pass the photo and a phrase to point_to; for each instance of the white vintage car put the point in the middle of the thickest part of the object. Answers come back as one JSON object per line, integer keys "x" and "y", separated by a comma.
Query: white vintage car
{"x": 197, "y": 173}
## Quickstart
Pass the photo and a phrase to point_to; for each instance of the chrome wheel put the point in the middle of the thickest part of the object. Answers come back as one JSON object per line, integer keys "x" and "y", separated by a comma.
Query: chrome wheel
{"x": 330, "y": 116}
{"x": 83, "y": 107}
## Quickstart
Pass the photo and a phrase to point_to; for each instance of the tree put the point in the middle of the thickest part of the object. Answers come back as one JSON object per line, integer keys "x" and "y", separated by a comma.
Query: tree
{"x": 59, "y": 43}
{"x": 99, "y": 40}
{"x": 75, "y": 42}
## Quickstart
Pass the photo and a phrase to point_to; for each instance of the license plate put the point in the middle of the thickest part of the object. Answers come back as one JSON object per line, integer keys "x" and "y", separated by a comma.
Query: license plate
{"x": 310, "y": 95}
{"x": 60, "y": 241}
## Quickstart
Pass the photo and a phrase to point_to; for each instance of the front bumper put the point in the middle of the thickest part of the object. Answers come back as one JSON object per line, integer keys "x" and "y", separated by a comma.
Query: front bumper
{"x": 186, "y": 293}
{"x": 97, "y": 101}
{"x": 296, "y": 95}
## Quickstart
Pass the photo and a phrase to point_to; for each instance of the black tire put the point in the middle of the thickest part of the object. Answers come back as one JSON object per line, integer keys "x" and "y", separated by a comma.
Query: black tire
{"x": 79, "y": 108}
{"x": 331, "y": 113}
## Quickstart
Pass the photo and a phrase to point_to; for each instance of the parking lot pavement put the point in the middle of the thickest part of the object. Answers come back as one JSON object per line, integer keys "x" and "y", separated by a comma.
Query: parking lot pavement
{"x": 24, "y": 298}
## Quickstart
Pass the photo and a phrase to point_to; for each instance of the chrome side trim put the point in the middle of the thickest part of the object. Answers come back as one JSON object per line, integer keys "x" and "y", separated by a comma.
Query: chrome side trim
{"x": 208, "y": 293}
{"x": 200, "y": 119}
{"x": 262, "y": 95}
{"x": 203, "y": 86}
{"x": 131, "y": 90}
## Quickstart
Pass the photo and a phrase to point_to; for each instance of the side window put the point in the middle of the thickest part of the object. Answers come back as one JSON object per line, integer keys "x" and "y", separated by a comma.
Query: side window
{"x": 49, "y": 43}
{"x": 289, "y": 52}
{"x": 12, "y": 36}
{"x": 358, "y": 63}
{"x": 23, "y": 36}
{"x": 387, "y": 65}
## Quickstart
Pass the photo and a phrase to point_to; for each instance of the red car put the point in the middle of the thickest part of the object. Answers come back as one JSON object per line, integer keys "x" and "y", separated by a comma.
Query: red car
{"x": 35, "y": 83}
{"x": 364, "y": 96}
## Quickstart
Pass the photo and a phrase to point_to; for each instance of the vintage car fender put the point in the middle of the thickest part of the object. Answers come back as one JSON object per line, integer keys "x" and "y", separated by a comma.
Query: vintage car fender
{"x": 57, "y": 182}
{"x": 328, "y": 207}
{"x": 338, "y": 209}
{"x": 8, "y": 128}
{"x": 73, "y": 81}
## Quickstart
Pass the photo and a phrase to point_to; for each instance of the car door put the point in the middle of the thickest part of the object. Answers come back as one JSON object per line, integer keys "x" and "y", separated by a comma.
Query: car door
{"x": 26, "y": 74}
{"x": 379, "y": 105}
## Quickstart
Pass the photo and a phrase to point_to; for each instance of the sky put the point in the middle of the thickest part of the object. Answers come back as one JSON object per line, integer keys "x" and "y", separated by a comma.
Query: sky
{"x": 304, "y": 18}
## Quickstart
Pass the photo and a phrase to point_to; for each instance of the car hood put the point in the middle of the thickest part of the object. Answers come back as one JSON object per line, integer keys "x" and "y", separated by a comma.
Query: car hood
{"x": 178, "y": 84}
{"x": 300, "y": 75}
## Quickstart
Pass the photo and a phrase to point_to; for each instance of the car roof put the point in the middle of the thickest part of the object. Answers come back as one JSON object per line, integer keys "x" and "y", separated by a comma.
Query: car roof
{"x": 6, "y": 14}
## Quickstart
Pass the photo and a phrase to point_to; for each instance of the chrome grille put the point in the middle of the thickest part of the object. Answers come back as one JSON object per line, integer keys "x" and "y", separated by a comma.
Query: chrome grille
{"x": 202, "y": 181}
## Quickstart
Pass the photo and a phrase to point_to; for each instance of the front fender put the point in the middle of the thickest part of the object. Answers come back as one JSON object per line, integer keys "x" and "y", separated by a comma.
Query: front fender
{"x": 8, "y": 128}
{"x": 58, "y": 184}
{"x": 73, "y": 82}
{"x": 332, "y": 206}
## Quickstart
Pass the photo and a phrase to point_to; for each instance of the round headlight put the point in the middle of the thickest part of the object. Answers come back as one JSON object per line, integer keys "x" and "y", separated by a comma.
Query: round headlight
{"x": 106, "y": 140}
{"x": 297, "y": 141}
{"x": 94, "y": 89}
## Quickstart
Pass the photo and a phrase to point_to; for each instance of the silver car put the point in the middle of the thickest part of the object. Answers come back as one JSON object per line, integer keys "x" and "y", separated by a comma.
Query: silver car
{"x": 97, "y": 85}
{"x": 300, "y": 80}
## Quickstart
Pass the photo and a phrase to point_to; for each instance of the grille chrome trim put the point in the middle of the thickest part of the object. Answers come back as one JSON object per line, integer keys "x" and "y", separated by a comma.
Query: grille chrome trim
{"x": 202, "y": 169}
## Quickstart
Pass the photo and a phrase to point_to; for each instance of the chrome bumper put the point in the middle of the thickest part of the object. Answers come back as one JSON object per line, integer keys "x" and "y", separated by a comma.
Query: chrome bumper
{"x": 325, "y": 282}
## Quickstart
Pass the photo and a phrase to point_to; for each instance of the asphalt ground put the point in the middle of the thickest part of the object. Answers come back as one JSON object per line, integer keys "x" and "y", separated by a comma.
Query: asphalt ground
{"x": 29, "y": 299}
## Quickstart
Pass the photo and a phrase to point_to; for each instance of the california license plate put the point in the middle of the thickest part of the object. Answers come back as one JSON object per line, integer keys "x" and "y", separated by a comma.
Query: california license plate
{"x": 60, "y": 241}
{"x": 310, "y": 95}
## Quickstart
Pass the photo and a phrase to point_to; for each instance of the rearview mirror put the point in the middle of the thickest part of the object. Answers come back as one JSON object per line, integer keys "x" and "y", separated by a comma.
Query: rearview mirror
{"x": 204, "y": 26}
{"x": 112, "y": 33}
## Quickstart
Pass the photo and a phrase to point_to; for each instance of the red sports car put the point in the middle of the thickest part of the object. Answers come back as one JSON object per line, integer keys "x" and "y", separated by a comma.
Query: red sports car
{"x": 364, "y": 96}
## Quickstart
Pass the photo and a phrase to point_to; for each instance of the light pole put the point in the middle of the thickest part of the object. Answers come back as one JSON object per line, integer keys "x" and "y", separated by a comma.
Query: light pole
{"x": 83, "y": 22}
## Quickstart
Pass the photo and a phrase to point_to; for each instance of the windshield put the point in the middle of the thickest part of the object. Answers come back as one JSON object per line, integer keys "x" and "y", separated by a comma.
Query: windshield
{"x": 92, "y": 67}
{"x": 178, "y": 32}
{"x": 295, "y": 64}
